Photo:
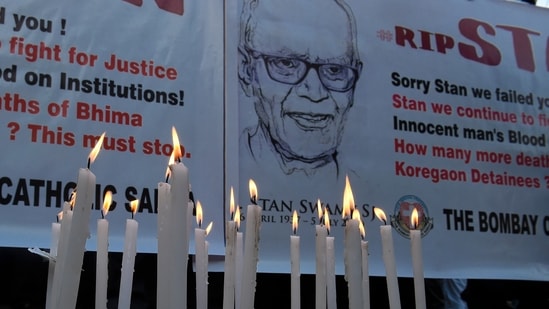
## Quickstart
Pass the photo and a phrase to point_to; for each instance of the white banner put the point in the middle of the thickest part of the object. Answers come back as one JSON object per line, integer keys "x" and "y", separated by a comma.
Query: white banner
{"x": 437, "y": 105}
{"x": 72, "y": 70}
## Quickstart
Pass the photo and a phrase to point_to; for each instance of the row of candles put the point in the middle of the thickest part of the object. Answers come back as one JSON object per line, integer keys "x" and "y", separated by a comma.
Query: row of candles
{"x": 174, "y": 215}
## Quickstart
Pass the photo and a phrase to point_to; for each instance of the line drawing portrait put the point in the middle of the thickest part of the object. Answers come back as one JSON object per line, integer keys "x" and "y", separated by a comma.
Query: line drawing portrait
{"x": 300, "y": 68}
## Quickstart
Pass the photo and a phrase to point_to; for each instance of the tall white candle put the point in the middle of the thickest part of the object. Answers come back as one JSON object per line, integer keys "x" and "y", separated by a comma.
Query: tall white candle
{"x": 173, "y": 275}
{"x": 63, "y": 243}
{"x": 352, "y": 253}
{"x": 365, "y": 271}
{"x": 163, "y": 274}
{"x": 55, "y": 230}
{"x": 321, "y": 233}
{"x": 417, "y": 261}
{"x": 389, "y": 260}
{"x": 251, "y": 250}
{"x": 67, "y": 280}
{"x": 230, "y": 242}
{"x": 201, "y": 260}
{"x": 128, "y": 260}
{"x": 102, "y": 257}
{"x": 295, "y": 285}
{"x": 239, "y": 261}
{"x": 330, "y": 266}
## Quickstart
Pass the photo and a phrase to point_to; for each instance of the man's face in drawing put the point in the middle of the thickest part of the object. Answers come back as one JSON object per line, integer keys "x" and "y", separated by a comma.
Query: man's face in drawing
{"x": 303, "y": 81}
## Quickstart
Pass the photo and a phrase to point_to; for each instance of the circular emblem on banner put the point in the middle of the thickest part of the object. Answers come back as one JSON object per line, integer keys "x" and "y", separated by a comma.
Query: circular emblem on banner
{"x": 400, "y": 219}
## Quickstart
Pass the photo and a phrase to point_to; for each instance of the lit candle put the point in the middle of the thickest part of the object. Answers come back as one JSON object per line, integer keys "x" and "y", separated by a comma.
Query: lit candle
{"x": 128, "y": 259}
{"x": 294, "y": 264}
{"x": 320, "y": 277}
{"x": 102, "y": 257}
{"x": 229, "y": 277}
{"x": 389, "y": 259}
{"x": 352, "y": 254}
{"x": 64, "y": 233}
{"x": 165, "y": 241}
{"x": 330, "y": 266}
{"x": 239, "y": 260}
{"x": 365, "y": 272}
{"x": 66, "y": 279}
{"x": 55, "y": 230}
{"x": 173, "y": 232}
{"x": 417, "y": 260}
{"x": 201, "y": 259}
{"x": 251, "y": 249}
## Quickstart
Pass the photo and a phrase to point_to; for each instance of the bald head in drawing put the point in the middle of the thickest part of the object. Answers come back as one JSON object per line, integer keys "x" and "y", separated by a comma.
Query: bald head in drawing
{"x": 299, "y": 64}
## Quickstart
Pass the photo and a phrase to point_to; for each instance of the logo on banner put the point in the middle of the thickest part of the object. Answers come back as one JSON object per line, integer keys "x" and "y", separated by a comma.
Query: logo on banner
{"x": 400, "y": 219}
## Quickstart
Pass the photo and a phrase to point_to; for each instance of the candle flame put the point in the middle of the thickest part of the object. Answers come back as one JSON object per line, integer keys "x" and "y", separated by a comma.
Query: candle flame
{"x": 72, "y": 199}
{"x": 199, "y": 213}
{"x": 209, "y": 228}
{"x": 253, "y": 191}
{"x": 327, "y": 220}
{"x": 107, "y": 200}
{"x": 319, "y": 207}
{"x": 237, "y": 217}
{"x": 231, "y": 204}
{"x": 356, "y": 215}
{"x": 362, "y": 229}
{"x": 380, "y": 214}
{"x": 133, "y": 206}
{"x": 414, "y": 219}
{"x": 59, "y": 216}
{"x": 95, "y": 151}
{"x": 294, "y": 222}
{"x": 348, "y": 199}
{"x": 176, "y": 145}
{"x": 170, "y": 162}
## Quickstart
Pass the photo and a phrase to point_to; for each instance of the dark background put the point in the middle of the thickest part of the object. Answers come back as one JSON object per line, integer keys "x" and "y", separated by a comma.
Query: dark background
{"x": 24, "y": 277}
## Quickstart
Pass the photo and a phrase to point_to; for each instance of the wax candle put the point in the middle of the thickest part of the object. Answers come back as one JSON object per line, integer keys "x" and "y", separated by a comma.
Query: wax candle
{"x": 320, "y": 276}
{"x": 230, "y": 242}
{"x": 330, "y": 266}
{"x": 172, "y": 269}
{"x": 417, "y": 261}
{"x": 389, "y": 259}
{"x": 295, "y": 285}
{"x": 352, "y": 254}
{"x": 64, "y": 233}
{"x": 55, "y": 230}
{"x": 239, "y": 260}
{"x": 102, "y": 257}
{"x": 201, "y": 259}
{"x": 251, "y": 249}
{"x": 67, "y": 280}
{"x": 128, "y": 259}
{"x": 365, "y": 271}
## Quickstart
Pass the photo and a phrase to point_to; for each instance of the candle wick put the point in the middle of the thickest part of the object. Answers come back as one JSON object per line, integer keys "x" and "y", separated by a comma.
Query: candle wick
{"x": 254, "y": 200}
{"x": 132, "y": 215}
{"x": 89, "y": 163}
{"x": 167, "y": 178}
{"x": 102, "y": 215}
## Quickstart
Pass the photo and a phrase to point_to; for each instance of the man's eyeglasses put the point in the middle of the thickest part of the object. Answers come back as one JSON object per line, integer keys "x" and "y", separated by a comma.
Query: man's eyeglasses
{"x": 292, "y": 71}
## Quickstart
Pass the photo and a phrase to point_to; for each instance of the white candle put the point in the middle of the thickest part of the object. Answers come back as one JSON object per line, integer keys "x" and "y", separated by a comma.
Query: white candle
{"x": 320, "y": 278}
{"x": 66, "y": 279}
{"x": 417, "y": 261}
{"x": 229, "y": 277}
{"x": 251, "y": 250}
{"x": 239, "y": 260}
{"x": 163, "y": 274}
{"x": 201, "y": 260}
{"x": 365, "y": 276}
{"x": 389, "y": 260}
{"x": 128, "y": 260}
{"x": 230, "y": 242}
{"x": 352, "y": 254}
{"x": 295, "y": 265}
{"x": 63, "y": 243}
{"x": 330, "y": 266}
{"x": 55, "y": 230}
{"x": 102, "y": 257}
{"x": 172, "y": 276}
